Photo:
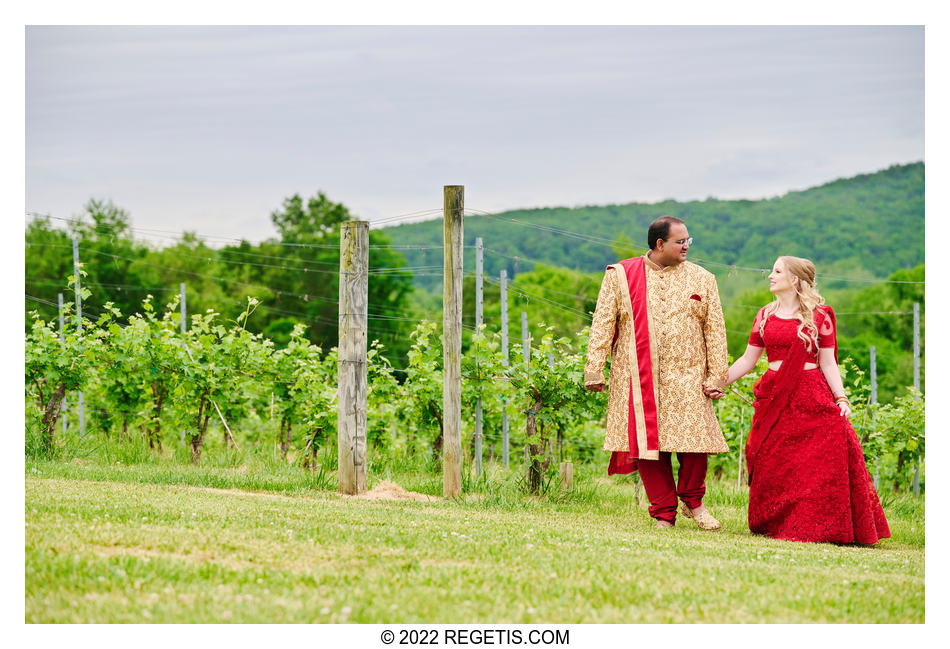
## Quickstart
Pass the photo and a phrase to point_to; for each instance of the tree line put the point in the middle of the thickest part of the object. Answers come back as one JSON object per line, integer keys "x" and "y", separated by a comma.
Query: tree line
{"x": 294, "y": 275}
{"x": 867, "y": 226}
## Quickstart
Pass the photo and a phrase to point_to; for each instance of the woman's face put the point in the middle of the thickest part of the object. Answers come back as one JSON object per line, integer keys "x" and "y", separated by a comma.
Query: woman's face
{"x": 780, "y": 280}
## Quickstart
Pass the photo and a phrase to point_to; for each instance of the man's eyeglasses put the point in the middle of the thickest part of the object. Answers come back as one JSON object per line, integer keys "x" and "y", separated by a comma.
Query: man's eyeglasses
{"x": 684, "y": 242}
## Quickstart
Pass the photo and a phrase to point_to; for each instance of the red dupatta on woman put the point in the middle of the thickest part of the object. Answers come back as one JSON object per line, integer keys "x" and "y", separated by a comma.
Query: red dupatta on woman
{"x": 772, "y": 397}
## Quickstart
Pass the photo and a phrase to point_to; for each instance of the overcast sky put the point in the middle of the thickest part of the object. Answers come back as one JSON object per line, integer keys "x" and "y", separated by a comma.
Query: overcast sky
{"x": 209, "y": 129}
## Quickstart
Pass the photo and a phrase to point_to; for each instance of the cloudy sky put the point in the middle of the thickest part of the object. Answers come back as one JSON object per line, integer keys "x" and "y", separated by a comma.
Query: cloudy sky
{"x": 209, "y": 129}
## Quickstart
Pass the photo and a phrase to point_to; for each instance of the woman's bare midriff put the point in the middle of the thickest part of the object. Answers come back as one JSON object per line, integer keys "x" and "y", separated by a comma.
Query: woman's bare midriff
{"x": 774, "y": 365}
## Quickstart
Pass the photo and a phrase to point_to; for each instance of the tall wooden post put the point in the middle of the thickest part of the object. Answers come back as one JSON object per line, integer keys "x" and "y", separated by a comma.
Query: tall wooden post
{"x": 479, "y": 321}
{"x": 504, "y": 361}
{"x": 351, "y": 376}
{"x": 453, "y": 210}
{"x": 567, "y": 476}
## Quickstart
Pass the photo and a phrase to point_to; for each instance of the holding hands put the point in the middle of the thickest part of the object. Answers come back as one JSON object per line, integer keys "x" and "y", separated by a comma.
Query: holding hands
{"x": 713, "y": 393}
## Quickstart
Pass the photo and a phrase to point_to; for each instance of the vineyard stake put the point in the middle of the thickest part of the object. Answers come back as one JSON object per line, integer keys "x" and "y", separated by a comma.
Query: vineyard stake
{"x": 76, "y": 275}
{"x": 452, "y": 227}
{"x": 504, "y": 362}
{"x": 526, "y": 353}
{"x": 184, "y": 317}
{"x": 741, "y": 430}
{"x": 479, "y": 320}
{"x": 181, "y": 288}
{"x": 873, "y": 405}
{"x": 62, "y": 341}
{"x": 917, "y": 385}
{"x": 351, "y": 373}
{"x": 550, "y": 452}
{"x": 82, "y": 400}
{"x": 525, "y": 339}
{"x": 233, "y": 441}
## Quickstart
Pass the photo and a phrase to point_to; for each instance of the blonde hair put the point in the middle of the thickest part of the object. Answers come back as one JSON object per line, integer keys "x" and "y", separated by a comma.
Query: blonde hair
{"x": 808, "y": 299}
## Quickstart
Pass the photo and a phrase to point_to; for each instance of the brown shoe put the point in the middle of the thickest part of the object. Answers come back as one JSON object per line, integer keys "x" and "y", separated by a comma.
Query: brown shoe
{"x": 704, "y": 520}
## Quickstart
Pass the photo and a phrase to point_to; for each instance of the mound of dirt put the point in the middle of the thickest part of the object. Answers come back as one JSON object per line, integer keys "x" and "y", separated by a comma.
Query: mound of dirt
{"x": 387, "y": 490}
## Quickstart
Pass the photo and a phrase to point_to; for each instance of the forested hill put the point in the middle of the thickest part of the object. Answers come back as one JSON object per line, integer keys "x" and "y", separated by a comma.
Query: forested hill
{"x": 866, "y": 226}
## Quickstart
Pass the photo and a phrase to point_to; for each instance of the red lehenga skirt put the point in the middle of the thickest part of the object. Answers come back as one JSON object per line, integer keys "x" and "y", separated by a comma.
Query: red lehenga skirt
{"x": 809, "y": 481}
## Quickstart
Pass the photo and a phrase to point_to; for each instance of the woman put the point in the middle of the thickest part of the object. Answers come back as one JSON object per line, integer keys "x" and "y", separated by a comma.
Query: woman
{"x": 807, "y": 477}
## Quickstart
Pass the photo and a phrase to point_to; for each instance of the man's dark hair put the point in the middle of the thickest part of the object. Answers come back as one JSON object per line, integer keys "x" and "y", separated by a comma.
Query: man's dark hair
{"x": 660, "y": 229}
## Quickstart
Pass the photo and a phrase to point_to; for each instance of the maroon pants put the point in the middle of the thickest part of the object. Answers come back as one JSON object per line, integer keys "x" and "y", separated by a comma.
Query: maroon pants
{"x": 657, "y": 476}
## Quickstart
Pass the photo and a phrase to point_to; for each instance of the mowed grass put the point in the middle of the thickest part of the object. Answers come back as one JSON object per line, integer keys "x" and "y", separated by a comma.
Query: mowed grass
{"x": 145, "y": 544}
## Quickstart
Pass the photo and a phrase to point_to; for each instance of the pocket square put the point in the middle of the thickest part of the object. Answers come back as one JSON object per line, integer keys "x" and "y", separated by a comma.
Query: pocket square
{"x": 695, "y": 297}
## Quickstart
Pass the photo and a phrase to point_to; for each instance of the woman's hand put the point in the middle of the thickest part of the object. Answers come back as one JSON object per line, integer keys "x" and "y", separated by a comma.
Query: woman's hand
{"x": 845, "y": 408}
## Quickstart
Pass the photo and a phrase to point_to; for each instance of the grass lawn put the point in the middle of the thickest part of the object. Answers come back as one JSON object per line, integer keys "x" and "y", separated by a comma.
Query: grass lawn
{"x": 161, "y": 544}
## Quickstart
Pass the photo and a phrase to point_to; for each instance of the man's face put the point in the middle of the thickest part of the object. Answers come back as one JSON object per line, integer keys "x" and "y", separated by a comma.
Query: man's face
{"x": 672, "y": 249}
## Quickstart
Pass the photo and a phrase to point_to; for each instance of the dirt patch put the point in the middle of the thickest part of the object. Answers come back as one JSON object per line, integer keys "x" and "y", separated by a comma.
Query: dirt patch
{"x": 387, "y": 490}
{"x": 108, "y": 551}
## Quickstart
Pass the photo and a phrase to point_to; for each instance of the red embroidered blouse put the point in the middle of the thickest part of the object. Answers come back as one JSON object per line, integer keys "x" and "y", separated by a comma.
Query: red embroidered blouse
{"x": 782, "y": 333}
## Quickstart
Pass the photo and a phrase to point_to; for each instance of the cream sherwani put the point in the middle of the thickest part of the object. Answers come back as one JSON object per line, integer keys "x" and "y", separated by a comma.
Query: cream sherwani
{"x": 687, "y": 350}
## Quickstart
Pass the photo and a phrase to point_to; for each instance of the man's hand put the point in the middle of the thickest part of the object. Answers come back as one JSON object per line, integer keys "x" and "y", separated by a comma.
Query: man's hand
{"x": 713, "y": 394}
{"x": 596, "y": 387}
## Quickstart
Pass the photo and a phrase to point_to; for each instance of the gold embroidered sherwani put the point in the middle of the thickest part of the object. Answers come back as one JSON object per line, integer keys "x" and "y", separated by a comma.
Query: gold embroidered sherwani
{"x": 687, "y": 351}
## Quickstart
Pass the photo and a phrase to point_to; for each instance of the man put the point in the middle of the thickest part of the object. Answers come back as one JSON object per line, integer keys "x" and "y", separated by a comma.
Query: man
{"x": 660, "y": 318}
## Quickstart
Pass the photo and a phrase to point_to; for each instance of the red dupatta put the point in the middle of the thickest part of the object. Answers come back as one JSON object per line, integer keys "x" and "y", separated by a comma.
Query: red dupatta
{"x": 772, "y": 397}
{"x": 642, "y": 431}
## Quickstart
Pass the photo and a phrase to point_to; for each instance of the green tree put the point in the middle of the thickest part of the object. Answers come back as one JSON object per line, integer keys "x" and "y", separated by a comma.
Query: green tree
{"x": 304, "y": 263}
{"x": 49, "y": 261}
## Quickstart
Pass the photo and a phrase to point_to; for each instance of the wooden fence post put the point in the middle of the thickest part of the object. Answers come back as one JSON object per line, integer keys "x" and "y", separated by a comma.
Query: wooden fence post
{"x": 453, "y": 211}
{"x": 479, "y": 321}
{"x": 567, "y": 476}
{"x": 351, "y": 374}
